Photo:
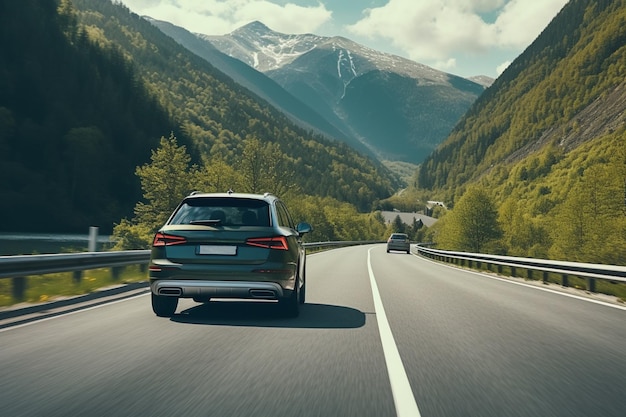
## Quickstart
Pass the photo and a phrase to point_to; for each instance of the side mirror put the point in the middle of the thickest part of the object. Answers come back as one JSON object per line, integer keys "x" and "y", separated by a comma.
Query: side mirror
{"x": 303, "y": 228}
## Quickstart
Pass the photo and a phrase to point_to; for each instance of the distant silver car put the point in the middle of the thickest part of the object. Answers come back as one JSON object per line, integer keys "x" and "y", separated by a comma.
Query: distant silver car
{"x": 399, "y": 242}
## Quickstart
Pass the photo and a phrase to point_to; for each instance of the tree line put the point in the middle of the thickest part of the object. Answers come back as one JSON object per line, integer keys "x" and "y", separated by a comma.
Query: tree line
{"x": 537, "y": 144}
{"x": 87, "y": 90}
{"x": 170, "y": 176}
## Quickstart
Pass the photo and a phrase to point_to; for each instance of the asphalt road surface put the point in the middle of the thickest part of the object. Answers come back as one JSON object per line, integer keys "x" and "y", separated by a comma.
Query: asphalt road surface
{"x": 381, "y": 335}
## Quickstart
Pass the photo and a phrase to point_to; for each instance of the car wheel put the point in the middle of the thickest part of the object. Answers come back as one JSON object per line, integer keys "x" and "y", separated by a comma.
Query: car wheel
{"x": 302, "y": 295}
{"x": 164, "y": 306}
{"x": 302, "y": 298}
{"x": 291, "y": 305}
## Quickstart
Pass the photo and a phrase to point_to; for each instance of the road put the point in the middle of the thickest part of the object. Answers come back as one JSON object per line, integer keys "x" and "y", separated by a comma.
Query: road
{"x": 381, "y": 335}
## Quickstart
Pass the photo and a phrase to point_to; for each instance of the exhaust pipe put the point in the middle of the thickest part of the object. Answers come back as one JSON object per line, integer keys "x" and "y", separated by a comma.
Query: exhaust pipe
{"x": 265, "y": 294}
{"x": 170, "y": 291}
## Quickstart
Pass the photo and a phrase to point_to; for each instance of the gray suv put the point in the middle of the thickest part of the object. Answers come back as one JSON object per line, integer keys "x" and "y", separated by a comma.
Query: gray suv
{"x": 229, "y": 245}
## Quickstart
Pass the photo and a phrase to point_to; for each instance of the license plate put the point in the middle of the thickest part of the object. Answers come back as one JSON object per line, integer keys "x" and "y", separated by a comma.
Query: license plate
{"x": 217, "y": 250}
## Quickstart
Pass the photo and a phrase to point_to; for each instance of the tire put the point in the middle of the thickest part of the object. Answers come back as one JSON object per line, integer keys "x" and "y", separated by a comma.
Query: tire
{"x": 302, "y": 298}
{"x": 164, "y": 306}
{"x": 302, "y": 295}
{"x": 291, "y": 306}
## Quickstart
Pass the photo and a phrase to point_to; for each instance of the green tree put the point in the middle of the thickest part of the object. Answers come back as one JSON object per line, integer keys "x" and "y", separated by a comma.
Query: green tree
{"x": 264, "y": 168}
{"x": 165, "y": 182}
{"x": 217, "y": 175}
{"x": 398, "y": 225}
{"x": 591, "y": 219}
{"x": 473, "y": 223}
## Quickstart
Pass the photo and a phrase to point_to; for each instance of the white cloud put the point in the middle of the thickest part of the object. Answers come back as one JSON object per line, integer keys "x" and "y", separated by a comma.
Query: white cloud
{"x": 218, "y": 17}
{"x": 465, "y": 36}
{"x": 519, "y": 24}
{"x": 500, "y": 68}
{"x": 435, "y": 31}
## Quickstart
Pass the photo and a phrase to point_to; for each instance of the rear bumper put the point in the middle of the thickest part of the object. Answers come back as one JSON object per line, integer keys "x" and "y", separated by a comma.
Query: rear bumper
{"x": 399, "y": 246}
{"x": 217, "y": 289}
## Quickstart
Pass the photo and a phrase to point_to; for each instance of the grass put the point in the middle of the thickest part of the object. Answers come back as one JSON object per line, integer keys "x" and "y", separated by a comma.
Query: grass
{"x": 42, "y": 288}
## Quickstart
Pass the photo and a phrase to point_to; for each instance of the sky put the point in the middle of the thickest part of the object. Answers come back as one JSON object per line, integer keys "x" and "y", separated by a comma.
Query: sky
{"x": 460, "y": 37}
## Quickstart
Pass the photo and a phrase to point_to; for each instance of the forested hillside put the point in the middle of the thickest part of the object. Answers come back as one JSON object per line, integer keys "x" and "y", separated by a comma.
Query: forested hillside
{"x": 74, "y": 123}
{"x": 87, "y": 91}
{"x": 578, "y": 58}
{"x": 220, "y": 115}
{"x": 545, "y": 145}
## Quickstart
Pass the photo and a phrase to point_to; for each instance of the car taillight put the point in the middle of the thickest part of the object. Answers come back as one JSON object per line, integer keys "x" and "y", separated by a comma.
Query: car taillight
{"x": 277, "y": 242}
{"x": 163, "y": 239}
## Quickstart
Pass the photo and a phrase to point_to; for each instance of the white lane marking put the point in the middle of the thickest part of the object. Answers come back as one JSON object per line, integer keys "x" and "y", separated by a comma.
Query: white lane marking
{"x": 69, "y": 313}
{"x": 400, "y": 387}
{"x": 535, "y": 287}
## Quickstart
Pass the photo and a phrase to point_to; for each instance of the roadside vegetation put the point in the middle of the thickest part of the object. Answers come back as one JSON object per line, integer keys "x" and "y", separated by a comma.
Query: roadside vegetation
{"x": 545, "y": 146}
{"x": 545, "y": 209}
{"x": 45, "y": 288}
{"x": 170, "y": 176}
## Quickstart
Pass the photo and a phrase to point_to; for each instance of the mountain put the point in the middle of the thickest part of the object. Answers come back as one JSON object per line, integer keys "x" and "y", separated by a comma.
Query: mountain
{"x": 546, "y": 143}
{"x": 541, "y": 99}
{"x": 87, "y": 91}
{"x": 253, "y": 80}
{"x": 74, "y": 124}
{"x": 398, "y": 109}
{"x": 222, "y": 116}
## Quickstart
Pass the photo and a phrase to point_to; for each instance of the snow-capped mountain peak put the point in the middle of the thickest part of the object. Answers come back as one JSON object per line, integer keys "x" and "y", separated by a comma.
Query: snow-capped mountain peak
{"x": 392, "y": 107}
{"x": 262, "y": 48}
{"x": 267, "y": 50}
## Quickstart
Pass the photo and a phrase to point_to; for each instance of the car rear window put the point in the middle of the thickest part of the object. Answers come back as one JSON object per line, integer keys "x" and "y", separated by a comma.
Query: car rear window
{"x": 223, "y": 211}
{"x": 399, "y": 236}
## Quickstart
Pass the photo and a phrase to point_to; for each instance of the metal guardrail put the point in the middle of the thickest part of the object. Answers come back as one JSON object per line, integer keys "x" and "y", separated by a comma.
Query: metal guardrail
{"x": 18, "y": 267}
{"x": 584, "y": 270}
{"x": 336, "y": 244}
{"x": 23, "y": 265}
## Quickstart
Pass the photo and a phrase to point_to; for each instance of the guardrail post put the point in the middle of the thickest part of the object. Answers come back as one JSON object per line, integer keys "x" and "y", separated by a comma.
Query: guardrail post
{"x": 513, "y": 271}
{"x": 529, "y": 273}
{"x": 18, "y": 288}
{"x": 93, "y": 239}
{"x": 591, "y": 284}
{"x": 564, "y": 280}
{"x": 77, "y": 276}
{"x": 500, "y": 269}
{"x": 545, "y": 277}
{"x": 116, "y": 271}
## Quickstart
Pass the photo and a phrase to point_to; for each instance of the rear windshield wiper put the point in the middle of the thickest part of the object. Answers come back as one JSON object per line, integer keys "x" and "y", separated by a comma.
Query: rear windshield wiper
{"x": 208, "y": 222}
